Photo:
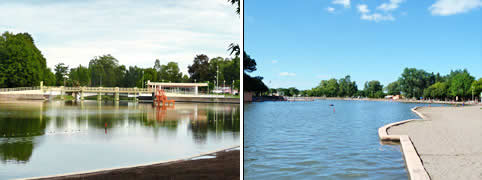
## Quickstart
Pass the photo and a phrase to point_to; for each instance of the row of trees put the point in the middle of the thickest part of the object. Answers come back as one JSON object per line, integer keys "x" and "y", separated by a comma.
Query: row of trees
{"x": 344, "y": 87}
{"x": 417, "y": 83}
{"x": 22, "y": 64}
{"x": 413, "y": 83}
{"x": 106, "y": 71}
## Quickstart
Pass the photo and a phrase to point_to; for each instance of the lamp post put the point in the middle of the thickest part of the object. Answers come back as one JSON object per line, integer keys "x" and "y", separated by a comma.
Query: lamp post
{"x": 224, "y": 85}
{"x": 217, "y": 76}
{"x": 65, "y": 76}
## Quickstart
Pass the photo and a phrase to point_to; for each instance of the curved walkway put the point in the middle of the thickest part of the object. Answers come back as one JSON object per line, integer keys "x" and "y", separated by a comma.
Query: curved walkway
{"x": 448, "y": 141}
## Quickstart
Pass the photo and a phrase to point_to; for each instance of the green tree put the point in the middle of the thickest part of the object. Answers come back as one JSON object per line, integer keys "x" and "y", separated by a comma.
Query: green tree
{"x": 414, "y": 81}
{"x": 347, "y": 88}
{"x": 80, "y": 76}
{"x": 21, "y": 62}
{"x": 476, "y": 87}
{"x": 393, "y": 88}
{"x": 293, "y": 91}
{"x": 49, "y": 78}
{"x": 133, "y": 77}
{"x": 171, "y": 72}
{"x": 61, "y": 72}
{"x": 460, "y": 83}
{"x": 439, "y": 90}
{"x": 199, "y": 70}
{"x": 103, "y": 71}
{"x": 373, "y": 89}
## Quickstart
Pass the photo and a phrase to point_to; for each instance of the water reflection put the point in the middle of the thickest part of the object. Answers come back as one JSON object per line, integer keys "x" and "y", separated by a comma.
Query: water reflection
{"x": 24, "y": 126}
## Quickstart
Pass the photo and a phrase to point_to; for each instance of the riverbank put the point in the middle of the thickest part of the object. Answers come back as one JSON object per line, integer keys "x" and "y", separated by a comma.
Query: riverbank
{"x": 222, "y": 164}
{"x": 397, "y": 100}
{"x": 447, "y": 141}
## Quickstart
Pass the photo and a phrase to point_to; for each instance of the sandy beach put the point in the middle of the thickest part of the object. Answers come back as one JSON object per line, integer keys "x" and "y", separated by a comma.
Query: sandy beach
{"x": 448, "y": 141}
{"x": 225, "y": 165}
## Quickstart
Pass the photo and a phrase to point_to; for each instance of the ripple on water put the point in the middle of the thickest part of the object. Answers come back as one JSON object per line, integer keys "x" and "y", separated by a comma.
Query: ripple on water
{"x": 308, "y": 141}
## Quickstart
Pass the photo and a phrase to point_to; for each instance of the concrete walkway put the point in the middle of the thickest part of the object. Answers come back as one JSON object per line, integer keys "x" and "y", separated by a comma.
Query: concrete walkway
{"x": 448, "y": 140}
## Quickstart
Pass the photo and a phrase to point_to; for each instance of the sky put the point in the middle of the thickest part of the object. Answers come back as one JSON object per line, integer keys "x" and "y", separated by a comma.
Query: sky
{"x": 136, "y": 32}
{"x": 299, "y": 44}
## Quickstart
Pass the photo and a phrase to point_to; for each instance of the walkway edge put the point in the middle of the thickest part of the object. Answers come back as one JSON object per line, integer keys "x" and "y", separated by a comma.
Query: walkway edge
{"x": 414, "y": 164}
{"x": 133, "y": 166}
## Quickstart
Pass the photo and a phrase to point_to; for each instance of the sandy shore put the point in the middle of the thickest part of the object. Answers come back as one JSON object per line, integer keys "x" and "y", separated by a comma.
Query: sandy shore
{"x": 448, "y": 140}
{"x": 225, "y": 165}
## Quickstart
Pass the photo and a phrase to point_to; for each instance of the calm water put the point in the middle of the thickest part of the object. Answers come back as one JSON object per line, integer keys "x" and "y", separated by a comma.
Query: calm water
{"x": 38, "y": 139}
{"x": 311, "y": 140}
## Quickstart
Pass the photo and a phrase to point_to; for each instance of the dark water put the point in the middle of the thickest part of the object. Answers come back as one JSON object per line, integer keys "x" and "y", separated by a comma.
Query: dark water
{"x": 312, "y": 140}
{"x": 39, "y": 139}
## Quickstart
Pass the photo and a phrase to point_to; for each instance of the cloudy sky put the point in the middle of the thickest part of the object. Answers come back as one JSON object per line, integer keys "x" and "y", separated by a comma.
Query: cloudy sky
{"x": 136, "y": 32}
{"x": 299, "y": 44}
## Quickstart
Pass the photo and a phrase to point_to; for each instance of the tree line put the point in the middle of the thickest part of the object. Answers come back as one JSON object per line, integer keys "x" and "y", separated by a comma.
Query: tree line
{"x": 412, "y": 83}
{"x": 22, "y": 65}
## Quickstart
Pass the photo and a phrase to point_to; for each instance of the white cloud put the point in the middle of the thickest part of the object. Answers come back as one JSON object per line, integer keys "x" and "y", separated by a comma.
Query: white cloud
{"x": 392, "y": 5}
{"x": 363, "y": 8}
{"x": 287, "y": 74}
{"x": 274, "y": 61}
{"x": 377, "y": 17}
{"x": 450, "y": 7}
{"x": 136, "y": 33}
{"x": 330, "y": 9}
{"x": 345, "y": 3}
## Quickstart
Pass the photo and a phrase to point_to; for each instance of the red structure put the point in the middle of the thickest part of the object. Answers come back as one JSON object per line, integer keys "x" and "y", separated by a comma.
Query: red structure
{"x": 161, "y": 97}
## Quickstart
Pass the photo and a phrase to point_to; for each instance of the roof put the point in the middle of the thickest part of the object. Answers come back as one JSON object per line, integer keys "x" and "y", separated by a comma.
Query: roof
{"x": 177, "y": 84}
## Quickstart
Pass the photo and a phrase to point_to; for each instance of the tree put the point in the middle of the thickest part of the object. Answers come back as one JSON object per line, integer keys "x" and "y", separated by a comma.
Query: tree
{"x": 293, "y": 91}
{"x": 373, "y": 89}
{"x": 235, "y": 2}
{"x": 252, "y": 84}
{"x": 393, "y": 88}
{"x": 61, "y": 71}
{"x": 437, "y": 91}
{"x": 199, "y": 70}
{"x": 249, "y": 65}
{"x": 460, "y": 83}
{"x": 414, "y": 81}
{"x": 133, "y": 77}
{"x": 171, "y": 72}
{"x": 21, "y": 62}
{"x": 347, "y": 88}
{"x": 79, "y": 76}
{"x": 476, "y": 87}
{"x": 103, "y": 71}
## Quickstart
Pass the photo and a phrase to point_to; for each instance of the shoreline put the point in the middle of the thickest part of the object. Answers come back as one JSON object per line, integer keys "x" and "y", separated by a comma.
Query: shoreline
{"x": 413, "y": 162}
{"x": 279, "y": 98}
{"x": 219, "y": 164}
{"x": 444, "y": 143}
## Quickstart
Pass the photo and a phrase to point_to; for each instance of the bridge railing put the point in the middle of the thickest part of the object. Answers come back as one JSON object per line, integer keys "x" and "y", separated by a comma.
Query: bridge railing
{"x": 19, "y": 89}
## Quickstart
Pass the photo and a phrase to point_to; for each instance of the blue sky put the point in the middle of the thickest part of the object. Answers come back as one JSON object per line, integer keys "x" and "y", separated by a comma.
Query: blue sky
{"x": 300, "y": 43}
{"x": 136, "y": 32}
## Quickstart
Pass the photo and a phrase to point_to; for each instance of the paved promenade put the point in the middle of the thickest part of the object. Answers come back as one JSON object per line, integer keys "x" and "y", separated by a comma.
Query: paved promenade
{"x": 448, "y": 140}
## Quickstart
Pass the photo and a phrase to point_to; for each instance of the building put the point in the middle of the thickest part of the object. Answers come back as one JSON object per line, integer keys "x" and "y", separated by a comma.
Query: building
{"x": 182, "y": 88}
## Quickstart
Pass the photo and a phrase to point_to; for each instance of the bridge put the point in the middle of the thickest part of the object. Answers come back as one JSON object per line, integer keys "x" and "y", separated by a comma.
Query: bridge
{"x": 171, "y": 90}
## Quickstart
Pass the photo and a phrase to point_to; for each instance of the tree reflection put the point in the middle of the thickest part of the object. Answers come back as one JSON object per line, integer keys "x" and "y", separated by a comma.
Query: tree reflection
{"x": 18, "y": 126}
{"x": 19, "y": 150}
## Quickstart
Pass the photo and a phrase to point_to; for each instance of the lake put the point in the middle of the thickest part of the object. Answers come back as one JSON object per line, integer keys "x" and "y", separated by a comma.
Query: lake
{"x": 48, "y": 138}
{"x": 312, "y": 140}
